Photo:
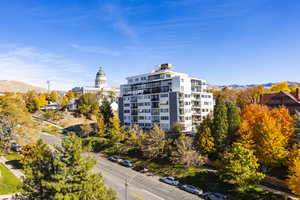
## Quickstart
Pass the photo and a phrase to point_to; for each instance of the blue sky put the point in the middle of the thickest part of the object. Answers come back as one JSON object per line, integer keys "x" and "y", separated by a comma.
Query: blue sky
{"x": 222, "y": 41}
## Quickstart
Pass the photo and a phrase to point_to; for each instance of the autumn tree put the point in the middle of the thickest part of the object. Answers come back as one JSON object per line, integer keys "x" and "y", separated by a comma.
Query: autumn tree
{"x": 29, "y": 100}
{"x": 282, "y": 86}
{"x": 250, "y": 95}
{"x": 220, "y": 124}
{"x": 185, "y": 154}
{"x": 267, "y": 132}
{"x": 135, "y": 136}
{"x": 27, "y": 153}
{"x": 13, "y": 116}
{"x": 101, "y": 127}
{"x": 153, "y": 144}
{"x": 111, "y": 96}
{"x": 86, "y": 129}
{"x": 226, "y": 93}
{"x": 40, "y": 101}
{"x": 176, "y": 130}
{"x": 296, "y": 136}
{"x": 240, "y": 167}
{"x": 294, "y": 177}
{"x": 204, "y": 140}
{"x": 294, "y": 88}
{"x": 53, "y": 96}
{"x": 115, "y": 132}
{"x": 88, "y": 104}
{"x": 66, "y": 98}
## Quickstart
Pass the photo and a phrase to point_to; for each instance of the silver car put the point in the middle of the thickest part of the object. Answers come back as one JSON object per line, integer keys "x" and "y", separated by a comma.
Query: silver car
{"x": 191, "y": 189}
{"x": 214, "y": 196}
{"x": 170, "y": 180}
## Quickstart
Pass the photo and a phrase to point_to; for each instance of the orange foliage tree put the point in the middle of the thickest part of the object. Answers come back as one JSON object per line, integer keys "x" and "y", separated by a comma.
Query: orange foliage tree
{"x": 267, "y": 132}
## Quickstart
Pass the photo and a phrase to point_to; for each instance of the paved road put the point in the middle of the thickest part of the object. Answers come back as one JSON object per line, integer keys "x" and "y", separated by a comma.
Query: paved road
{"x": 140, "y": 187}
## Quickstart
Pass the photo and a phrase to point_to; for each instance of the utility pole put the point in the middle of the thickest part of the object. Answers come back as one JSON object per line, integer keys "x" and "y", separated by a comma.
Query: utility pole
{"x": 48, "y": 83}
{"x": 126, "y": 185}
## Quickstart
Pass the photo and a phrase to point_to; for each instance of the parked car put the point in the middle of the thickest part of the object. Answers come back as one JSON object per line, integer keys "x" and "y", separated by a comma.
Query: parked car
{"x": 190, "y": 134}
{"x": 126, "y": 163}
{"x": 117, "y": 159}
{"x": 170, "y": 180}
{"x": 16, "y": 147}
{"x": 141, "y": 169}
{"x": 191, "y": 189}
{"x": 214, "y": 196}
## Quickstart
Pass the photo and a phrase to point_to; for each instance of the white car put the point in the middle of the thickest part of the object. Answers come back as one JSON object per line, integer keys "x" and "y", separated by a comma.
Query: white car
{"x": 170, "y": 180}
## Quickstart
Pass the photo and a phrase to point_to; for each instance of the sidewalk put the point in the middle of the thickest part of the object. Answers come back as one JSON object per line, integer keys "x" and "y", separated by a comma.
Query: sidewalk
{"x": 16, "y": 172}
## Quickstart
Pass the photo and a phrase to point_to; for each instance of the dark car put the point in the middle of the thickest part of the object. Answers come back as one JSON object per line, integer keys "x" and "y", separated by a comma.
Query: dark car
{"x": 191, "y": 189}
{"x": 16, "y": 147}
{"x": 126, "y": 163}
{"x": 141, "y": 169}
{"x": 190, "y": 134}
{"x": 115, "y": 159}
{"x": 214, "y": 196}
{"x": 170, "y": 180}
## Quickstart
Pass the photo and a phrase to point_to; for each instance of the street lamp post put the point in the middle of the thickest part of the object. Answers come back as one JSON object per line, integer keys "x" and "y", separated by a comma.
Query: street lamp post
{"x": 127, "y": 184}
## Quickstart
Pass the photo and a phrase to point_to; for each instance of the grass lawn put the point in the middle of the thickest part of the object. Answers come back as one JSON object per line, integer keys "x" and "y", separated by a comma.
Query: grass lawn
{"x": 52, "y": 130}
{"x": 13, "y": 156}
{"x": 8, "y": 182}
{"x": 14, "y": 159}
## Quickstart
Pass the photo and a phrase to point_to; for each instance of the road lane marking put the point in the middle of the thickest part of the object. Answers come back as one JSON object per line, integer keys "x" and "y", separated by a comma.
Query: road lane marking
{"x": 137, "y": 196}
{"x": 153, "y": 195}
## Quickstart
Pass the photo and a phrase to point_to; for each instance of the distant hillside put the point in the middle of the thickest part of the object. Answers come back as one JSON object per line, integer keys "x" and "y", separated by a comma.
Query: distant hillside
{"x": 240, "y": 87}
{"x": 17, "y": 86}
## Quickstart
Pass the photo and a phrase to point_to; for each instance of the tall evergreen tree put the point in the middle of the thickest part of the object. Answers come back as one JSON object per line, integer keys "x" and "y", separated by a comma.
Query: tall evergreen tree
{"x": 234, "y": 121}
{"x": 220, "y": 124}
{"x": 107, "y": 114}
{"x": 63, "y": 174}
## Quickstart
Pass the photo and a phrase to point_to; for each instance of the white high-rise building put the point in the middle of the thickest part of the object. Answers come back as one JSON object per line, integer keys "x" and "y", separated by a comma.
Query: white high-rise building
{"x": 164, "y": 97}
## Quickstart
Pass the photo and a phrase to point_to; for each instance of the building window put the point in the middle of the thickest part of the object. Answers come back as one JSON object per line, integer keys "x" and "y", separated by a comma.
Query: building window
{"x": 164, "y": 95}
{"x": 164, "y": 118}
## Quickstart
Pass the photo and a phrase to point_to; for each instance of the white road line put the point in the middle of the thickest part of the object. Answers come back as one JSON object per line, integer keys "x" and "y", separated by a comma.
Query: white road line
{"x": 153, "y": 194}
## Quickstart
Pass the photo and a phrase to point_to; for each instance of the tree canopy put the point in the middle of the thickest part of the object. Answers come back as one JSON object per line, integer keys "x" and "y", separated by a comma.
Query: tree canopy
{"x": 62, "y": 173}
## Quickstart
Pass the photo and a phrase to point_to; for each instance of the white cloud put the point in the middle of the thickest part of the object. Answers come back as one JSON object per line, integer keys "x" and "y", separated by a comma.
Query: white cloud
{"x": 115, "y": 14}
{"x": 34, "y": 66}
{"x": 96, "y": 50}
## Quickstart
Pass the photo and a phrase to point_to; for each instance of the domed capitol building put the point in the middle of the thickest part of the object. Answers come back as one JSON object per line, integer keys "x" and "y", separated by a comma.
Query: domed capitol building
{"x": 101, "y": 86}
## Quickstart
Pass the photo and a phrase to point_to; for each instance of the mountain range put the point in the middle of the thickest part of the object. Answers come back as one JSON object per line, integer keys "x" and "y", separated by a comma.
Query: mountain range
{"x": 241, "y": 87}
{"x": 17, "y": 86}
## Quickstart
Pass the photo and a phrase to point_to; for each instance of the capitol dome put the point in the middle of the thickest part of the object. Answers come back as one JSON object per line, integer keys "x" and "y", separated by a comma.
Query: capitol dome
{"x": 101, "y": 80}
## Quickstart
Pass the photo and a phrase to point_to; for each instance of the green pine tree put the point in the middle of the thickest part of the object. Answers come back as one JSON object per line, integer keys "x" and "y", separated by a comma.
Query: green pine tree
{"x": 38, "y": 167}
{"x": 63, "y": 174}
{"x": 234, "y": 121}
{"x": 220, "y": 124}
{"x": 107, "y": 113}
